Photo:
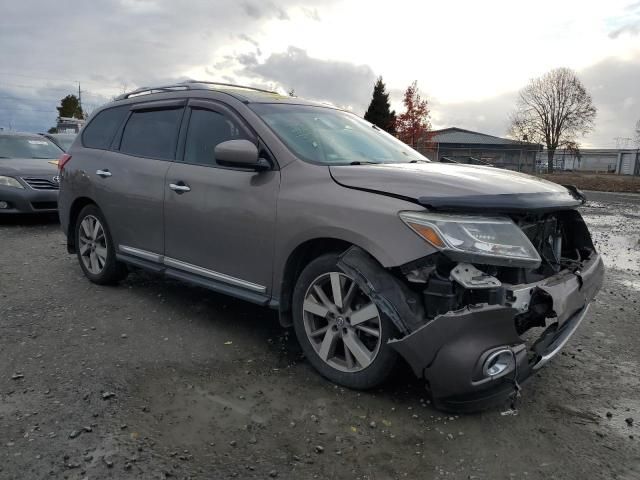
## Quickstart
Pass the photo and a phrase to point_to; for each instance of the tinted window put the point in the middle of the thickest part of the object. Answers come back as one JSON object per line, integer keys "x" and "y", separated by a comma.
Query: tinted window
{"x": 100, "y": 131}
{"x": 152, "y": 133}
{"x": 206, "y": 130}
{"x": 27, "y": 147}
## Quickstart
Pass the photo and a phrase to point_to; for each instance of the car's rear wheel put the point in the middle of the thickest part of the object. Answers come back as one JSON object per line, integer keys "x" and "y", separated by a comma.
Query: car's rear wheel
{"x": 95, "y": 248}
{"x": 339, "y": 327}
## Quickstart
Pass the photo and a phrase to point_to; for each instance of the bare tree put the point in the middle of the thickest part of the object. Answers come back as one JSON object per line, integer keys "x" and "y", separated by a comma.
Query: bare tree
{"x": 638, "y": 133}
{"x": 573, "y": 149}
{"x": 553, "y": 109}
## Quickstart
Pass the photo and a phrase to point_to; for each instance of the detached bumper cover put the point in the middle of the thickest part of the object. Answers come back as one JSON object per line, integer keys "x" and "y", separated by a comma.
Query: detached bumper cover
{"x": 449, "y": 352}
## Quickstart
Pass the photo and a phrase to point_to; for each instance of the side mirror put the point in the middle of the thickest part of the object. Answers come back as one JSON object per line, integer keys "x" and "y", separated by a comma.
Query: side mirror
{"x": 239, "y": 153}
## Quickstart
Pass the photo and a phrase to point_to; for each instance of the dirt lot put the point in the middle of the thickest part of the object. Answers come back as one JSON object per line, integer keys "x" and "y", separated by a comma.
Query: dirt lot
{"x": 603, "y": 182}
{"x": 155, "y": 379}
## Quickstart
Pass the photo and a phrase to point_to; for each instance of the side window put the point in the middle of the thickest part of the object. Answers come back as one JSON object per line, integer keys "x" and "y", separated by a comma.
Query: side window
{"x": 152, "y": 133}
{"x": 206, "y": 130}
{"x": 101, "y": 129}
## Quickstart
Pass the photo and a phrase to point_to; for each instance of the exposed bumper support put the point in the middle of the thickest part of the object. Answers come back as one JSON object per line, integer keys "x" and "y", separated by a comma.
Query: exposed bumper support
{"x": 449, "y": 352}
{"x": 559, "y": 338}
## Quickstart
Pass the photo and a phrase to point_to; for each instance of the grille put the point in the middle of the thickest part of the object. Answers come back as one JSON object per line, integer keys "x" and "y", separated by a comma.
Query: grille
{"x": 41, "y": 183}
{"x": 44, "y": 205}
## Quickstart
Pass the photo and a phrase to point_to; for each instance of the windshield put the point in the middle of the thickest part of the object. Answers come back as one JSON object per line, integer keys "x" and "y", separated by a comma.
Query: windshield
{"x": 14, "y": 146}
{"x": 333, "y": 137}
{"x": 64, "y": 140}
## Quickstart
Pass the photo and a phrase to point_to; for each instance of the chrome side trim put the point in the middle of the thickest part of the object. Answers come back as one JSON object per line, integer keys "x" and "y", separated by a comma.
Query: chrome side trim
{"x": 221, "y": 277}
{"x": 137, "y": 252}
{"x": 564, "y": 338}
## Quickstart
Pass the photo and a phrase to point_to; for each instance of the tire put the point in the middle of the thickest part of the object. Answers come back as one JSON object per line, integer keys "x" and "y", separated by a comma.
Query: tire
{"x": 345, "y": 335}
{"x": 103, "y": 268}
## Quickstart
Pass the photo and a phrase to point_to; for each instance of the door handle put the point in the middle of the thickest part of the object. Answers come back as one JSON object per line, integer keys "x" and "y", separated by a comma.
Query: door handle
{"x": 103, "y": 173}
{"x": 179, "y": 188}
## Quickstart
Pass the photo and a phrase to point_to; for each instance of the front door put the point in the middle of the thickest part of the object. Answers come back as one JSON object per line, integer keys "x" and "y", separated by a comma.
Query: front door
{"x": 219, "y": 221}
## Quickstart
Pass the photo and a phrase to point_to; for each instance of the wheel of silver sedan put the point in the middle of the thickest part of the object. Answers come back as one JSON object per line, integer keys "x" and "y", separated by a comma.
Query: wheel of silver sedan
{"x": 341, "y": 322}
{"x": 93, "y": 244}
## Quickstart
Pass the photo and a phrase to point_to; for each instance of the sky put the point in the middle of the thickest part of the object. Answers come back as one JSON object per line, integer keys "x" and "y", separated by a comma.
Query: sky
{"x": 469, "y": 57}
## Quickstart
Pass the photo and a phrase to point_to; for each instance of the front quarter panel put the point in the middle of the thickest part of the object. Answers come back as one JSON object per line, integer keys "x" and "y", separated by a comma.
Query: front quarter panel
{"x": 311, "y": 205}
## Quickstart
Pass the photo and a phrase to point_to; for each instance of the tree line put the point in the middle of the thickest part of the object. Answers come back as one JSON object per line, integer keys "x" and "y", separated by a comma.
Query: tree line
{"x": 554, "y": 110}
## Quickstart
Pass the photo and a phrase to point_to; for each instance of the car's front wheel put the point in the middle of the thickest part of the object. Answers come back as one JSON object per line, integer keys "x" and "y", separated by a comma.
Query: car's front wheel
{"x": 95, "y": 249}
{"x": 339, "y": 327}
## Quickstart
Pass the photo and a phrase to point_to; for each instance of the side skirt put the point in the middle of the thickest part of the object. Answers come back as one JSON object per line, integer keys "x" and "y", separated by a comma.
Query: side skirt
{"x": 210, "y": 284}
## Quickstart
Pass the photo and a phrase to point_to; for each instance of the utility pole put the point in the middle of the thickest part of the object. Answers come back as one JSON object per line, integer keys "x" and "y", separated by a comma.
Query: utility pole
{"x": 79, "y": 96}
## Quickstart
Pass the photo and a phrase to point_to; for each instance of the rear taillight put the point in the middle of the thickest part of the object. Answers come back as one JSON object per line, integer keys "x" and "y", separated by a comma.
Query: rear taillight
{"x": 63, "y": 161}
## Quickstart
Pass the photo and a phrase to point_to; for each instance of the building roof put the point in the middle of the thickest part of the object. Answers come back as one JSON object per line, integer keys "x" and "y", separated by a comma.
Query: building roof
{"x": 461, "y": 136}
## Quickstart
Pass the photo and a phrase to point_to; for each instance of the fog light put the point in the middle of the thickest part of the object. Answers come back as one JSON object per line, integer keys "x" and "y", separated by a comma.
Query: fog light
{"x": 3, "y": 205}
{"x": 498, "y": 362}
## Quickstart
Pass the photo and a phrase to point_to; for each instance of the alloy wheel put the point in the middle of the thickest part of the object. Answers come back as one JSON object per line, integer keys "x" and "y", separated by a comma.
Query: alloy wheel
{"x": 341, "y": 322}
{"x": 93, "y": 244}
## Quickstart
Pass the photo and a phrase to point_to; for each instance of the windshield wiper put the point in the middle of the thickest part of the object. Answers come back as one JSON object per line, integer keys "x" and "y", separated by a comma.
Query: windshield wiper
{"x": 362, "y": 162}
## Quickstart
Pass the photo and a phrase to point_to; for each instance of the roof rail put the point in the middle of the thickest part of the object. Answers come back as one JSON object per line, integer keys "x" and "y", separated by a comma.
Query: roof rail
{"x": 186, "y": 85}
{"x": 205, "y": 82}
{"x": 149, "y": 90}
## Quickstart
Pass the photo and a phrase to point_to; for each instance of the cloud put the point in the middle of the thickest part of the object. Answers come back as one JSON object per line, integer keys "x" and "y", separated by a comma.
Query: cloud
{"x": 488, "y": 116}
{"x": 630, "y": 28}
{"x": 311, "y": 13}
{"x": 629, "y": 23}
{"x": 341, "y": 83}
{"x": 259, "y": 10}
{"x": 111, "y": 45}
{"x": 615, "y": 88}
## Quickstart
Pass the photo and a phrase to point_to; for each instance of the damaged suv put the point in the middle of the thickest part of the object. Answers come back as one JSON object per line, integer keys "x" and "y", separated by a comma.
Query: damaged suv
{"x": 474, "y": 276}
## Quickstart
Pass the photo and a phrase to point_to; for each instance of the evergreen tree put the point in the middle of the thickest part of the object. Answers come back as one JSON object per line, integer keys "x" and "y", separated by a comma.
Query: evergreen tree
{"x": 70, "y": 107}
{"x": 379, "y": 112}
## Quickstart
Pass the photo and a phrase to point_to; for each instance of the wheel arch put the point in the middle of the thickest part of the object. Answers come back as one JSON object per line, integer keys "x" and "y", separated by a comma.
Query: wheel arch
{"x": 299, "y": 257}
{"x": 76, "y": 207}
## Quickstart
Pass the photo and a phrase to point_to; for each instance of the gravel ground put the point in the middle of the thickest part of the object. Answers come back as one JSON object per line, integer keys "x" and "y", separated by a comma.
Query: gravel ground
{"x": 156, "y": 379}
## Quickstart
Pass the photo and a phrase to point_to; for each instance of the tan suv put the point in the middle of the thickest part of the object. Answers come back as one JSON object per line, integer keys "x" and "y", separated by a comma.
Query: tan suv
{"x": 369, "y": 250}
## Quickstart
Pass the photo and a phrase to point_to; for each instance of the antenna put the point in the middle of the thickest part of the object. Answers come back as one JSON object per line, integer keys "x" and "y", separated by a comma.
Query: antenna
{"x": 79, "y": 96}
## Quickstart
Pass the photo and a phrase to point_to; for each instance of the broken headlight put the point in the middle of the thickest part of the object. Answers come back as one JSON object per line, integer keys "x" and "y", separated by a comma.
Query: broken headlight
{"x": 475, "y": 239}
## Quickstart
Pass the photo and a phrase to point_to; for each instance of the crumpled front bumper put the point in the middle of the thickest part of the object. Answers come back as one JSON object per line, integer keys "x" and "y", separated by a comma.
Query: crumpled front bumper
{"x": 450, "y": 351}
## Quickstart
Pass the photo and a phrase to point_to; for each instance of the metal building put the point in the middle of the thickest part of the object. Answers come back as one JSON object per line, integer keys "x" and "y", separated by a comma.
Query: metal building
{"x": 608, "y": 160}
{"x": 458, "y": 145}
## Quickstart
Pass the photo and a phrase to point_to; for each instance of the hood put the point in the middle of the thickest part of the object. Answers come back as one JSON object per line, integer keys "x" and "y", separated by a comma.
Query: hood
{"x": 22, "y": 167}
{"x": 442, "y": 186}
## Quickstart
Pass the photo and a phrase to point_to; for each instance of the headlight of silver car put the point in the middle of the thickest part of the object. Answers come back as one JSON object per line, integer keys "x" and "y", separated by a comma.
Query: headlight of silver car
{"x": 475, "y": 239}
{"x": 9, "y": 182}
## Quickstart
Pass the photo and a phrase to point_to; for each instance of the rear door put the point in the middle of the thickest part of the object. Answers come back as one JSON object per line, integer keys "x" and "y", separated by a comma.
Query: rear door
{"x": 220, "y": 223}
{"x": 131, "y": 177}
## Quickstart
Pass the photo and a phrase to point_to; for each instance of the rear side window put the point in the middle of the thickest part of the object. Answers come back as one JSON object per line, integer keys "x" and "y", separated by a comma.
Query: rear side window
{"x": 206, "y": 130}
{"x": 101, "y": 130}
{"x": 152, "y": 133}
